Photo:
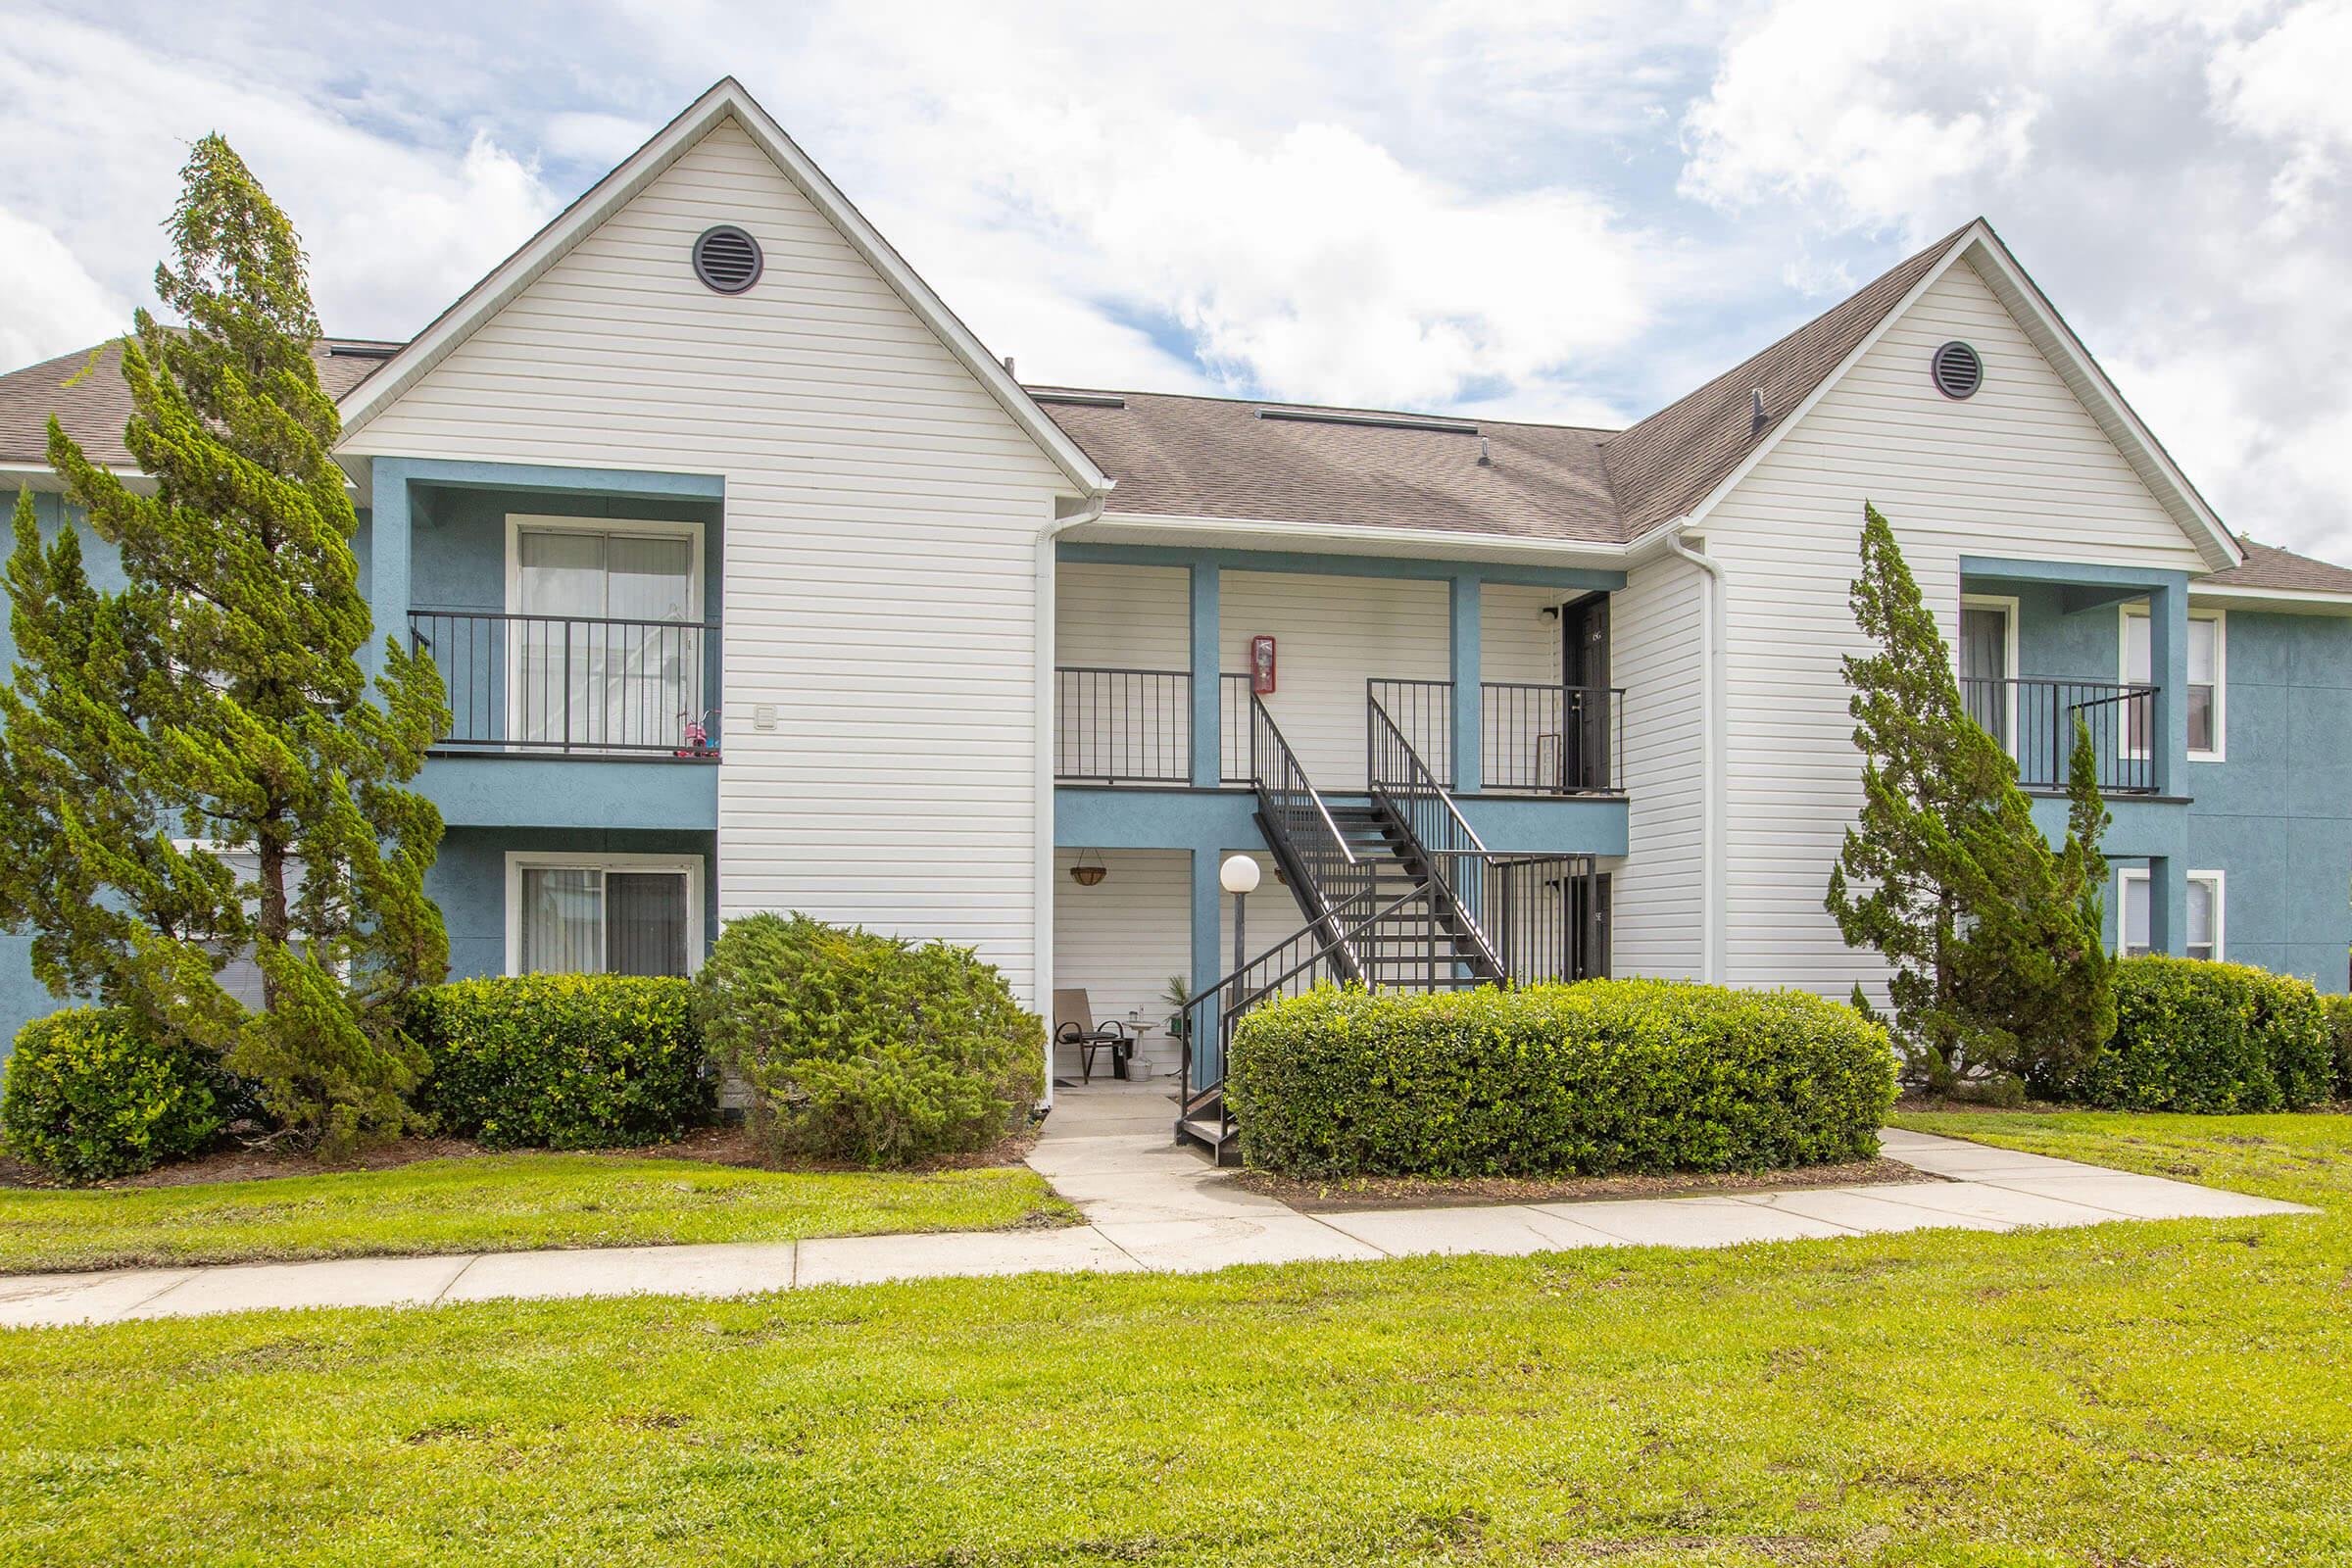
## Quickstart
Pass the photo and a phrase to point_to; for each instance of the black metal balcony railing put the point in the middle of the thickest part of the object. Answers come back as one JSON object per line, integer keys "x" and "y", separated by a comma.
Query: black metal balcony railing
{"x": 1122, "y": 726}
{"x": 1421, "y": 712}
{"x": 1234, "y": 701}
{"x": 1541, "y": 739}
{"x": 574, "y": 684}
{"x": 2034, "y": 720}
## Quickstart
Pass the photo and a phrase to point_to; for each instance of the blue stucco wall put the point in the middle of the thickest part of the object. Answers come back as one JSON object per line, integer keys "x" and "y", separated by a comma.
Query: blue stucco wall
{"x": 2274, "y": 815}
{"x": 459, "y": 558}
{"x": 469, "y": 882}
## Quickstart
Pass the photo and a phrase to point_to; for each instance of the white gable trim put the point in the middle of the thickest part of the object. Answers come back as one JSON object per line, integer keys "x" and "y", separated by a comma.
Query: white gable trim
{"x": 726, "y": 99}
{"x": 2048, "y": 331}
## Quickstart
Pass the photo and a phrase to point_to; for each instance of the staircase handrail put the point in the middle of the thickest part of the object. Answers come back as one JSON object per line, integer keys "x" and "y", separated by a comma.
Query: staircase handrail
{"x": 1393, "y": 769}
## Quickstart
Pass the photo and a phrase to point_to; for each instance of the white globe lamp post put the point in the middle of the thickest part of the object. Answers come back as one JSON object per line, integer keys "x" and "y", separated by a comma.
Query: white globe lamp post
{"x": 1238, "y": 877}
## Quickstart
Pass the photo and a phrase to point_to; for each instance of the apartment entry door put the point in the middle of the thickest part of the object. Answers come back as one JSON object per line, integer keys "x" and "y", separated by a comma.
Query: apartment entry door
{"x": 1585, "y": 760}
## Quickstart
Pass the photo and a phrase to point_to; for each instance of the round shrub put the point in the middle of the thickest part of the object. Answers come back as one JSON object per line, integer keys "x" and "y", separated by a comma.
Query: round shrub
{"x": 1588, "y": 1079}
{"x": 564, "y": 1060}
{"x": 2215, "y": 1039}
{"x": 89, "y": 1094}
{"x": 867, "y": 1048}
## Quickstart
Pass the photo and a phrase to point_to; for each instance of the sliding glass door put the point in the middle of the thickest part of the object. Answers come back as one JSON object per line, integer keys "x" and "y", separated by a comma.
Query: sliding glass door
{"x": 605, "y": 652}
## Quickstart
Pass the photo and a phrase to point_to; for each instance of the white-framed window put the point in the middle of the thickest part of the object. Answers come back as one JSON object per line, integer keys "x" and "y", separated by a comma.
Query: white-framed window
{"x": 603, "y": 913}
{"x": 2208, "y": 679}
{"x": 605, "y": 649}
{"x": 2204, "y": 914}
{"x": 241, "y": 976}
{"x": 1986, "y": 657}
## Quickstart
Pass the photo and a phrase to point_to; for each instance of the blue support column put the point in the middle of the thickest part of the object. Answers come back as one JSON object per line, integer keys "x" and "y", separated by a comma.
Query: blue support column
{"x": 2168, "y": 905}
{"x": 1463, "y": 608}
{"x": 2168, "y": 668}
{"x": 1209, "y": 965}
{"x": 390, "y": 534}
{"x": 1207, "y": 695}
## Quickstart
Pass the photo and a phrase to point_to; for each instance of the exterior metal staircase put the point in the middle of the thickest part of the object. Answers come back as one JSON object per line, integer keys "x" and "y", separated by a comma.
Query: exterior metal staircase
{"x": 1398, "y": 894}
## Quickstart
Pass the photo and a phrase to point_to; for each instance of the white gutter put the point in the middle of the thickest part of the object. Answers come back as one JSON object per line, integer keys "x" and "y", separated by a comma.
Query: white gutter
{"x": 1043, "y": 966}
{"x": 1713, "y": 674}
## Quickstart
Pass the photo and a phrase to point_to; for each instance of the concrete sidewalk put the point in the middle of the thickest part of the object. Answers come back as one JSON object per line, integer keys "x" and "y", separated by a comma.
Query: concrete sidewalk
{"x": 1150, "y": 1206}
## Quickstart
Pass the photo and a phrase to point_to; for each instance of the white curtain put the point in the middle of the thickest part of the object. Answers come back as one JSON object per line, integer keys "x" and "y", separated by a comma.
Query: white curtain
{"x": 562, "y": 920}
{"x": 580, "y": 679}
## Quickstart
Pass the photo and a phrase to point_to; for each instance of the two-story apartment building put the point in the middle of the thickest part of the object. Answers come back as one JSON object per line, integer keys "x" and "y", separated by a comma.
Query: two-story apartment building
{"x": 759, "y": 583}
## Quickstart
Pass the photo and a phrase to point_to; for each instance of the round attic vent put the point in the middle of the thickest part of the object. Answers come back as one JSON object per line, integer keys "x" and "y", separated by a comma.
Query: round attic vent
{"x": 1957, "y": 370}
{"x": 726, "y": 259}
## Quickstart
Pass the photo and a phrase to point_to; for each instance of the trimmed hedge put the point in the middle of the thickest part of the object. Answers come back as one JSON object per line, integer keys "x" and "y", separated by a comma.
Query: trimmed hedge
{"x": 1590, "y": 1079}
{"x": 2339, "y": 1032}
{"x": 2215, "y": 1039}
{"x": 89, "y": 1094}
{"x": 867, "y": 1048}
{"x": 564, "y": 1060}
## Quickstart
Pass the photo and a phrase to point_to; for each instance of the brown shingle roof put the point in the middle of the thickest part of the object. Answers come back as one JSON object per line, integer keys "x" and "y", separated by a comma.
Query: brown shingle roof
{"x": 1670, "y": 461}
{"x": 1196, "y": 456}
{"x": 85, "y": 391}
{"x": 2268, "y": 567}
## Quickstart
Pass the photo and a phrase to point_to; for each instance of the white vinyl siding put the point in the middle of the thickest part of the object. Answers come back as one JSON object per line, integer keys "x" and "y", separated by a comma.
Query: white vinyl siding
{"x": 1517, "y": 640}
{"x": 1122, "y": 618}
{"x": 1657, "y": 895}
{"x": 2020, "y": 469}
{"x": 882, "y": 518}
{"x": 1332, "y": 634}
{"x": 1122, "y": 940}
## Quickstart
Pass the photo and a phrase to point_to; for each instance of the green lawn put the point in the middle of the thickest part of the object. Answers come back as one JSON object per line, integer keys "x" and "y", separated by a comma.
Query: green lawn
{"x": 2166, "y": 1393}
{"x": 498, "y": 1202}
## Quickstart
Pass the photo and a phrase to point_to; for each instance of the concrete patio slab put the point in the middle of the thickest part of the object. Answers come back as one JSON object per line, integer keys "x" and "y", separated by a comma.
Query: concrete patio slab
{"x": 723, "y": 1270}
{"x": 1113, "y": 1198}
{"x": 1692, "y": 1221}
{"x": 870, "y": 1259}
{"x": 1507, "y": 1230}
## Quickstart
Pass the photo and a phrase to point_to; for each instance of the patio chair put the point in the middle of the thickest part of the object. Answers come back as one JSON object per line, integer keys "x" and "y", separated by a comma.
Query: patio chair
{"x": 1075, "y": 1025}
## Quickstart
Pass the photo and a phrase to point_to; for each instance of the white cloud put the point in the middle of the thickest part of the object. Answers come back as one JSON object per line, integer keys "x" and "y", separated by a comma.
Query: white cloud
{"x": 2172, "y": 173}
{"x": 595, "y": 139}
{"x": 97, "y": 125}
{"x": 54, "y": 306}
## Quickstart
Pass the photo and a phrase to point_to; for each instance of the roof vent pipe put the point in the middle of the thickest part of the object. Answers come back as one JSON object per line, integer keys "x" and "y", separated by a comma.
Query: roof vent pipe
{"x": 1756, "y": 417}
{"x": 1485, "y": 459}
{"x": 1008, "y": 364}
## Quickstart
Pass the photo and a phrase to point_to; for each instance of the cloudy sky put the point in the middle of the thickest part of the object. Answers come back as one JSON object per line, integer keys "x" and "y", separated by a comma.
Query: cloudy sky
{"x": 1547, "y": 210}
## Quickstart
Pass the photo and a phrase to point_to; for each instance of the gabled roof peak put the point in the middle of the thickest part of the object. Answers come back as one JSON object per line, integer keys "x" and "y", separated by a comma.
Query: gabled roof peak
{"x": 725, "y": 99}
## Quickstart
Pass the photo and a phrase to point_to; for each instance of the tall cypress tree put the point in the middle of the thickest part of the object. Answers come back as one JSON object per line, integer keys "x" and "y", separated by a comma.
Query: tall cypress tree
{"x": 1992, "y": 938}
{"x": 213, "y": 713}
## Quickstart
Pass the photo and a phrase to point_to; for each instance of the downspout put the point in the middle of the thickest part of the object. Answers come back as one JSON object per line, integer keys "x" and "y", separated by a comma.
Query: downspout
{"x": 1712, "y": 881}
{"x": 1044, "y": 930}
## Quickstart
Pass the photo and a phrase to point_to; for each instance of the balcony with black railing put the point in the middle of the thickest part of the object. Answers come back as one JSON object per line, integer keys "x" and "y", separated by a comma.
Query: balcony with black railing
{"x": 2034, "y": 720}
{"x": 574, "y": 686}
{"x": 1535, "y": 737}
